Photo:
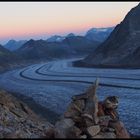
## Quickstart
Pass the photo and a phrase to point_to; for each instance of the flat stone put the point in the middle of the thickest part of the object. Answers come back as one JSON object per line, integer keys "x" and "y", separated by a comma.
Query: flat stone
{"x": 93, "y": 130}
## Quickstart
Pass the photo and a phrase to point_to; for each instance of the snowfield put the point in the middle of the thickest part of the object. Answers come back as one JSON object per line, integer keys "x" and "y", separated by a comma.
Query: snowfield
{"x": 53, "y": 84}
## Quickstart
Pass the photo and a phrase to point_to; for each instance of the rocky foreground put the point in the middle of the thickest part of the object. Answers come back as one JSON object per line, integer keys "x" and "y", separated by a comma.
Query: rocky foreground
{"x": 85, "y": 117}
{"x": 19, "y": 121}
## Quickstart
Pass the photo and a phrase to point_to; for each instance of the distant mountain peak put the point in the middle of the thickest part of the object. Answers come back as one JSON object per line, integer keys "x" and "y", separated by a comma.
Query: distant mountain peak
{"x": 55, "y": 38}
{"x": 100, "y": 29}
{"x": 70, "y": 35}
{"x": 98, "y": 34}
{"x": 13, "y": 45}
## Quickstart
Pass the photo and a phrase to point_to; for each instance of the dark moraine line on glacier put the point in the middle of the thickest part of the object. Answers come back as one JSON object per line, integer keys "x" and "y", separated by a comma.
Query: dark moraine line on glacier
{"x": 77, "y": 81}
{"x": 40, "y": 73}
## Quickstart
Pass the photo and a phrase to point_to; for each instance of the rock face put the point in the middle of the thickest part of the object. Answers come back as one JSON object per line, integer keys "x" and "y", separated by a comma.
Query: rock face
{"x": 122, "y": 47}
{"x": 18, "y": 121}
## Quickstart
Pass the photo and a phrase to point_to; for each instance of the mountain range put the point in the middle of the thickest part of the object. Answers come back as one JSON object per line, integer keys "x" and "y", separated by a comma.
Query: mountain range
{"x": 94, "y": 35}
{"x": 62, "y": 46}
{"x": 70, "y": 46}
{"x": 15, "y": 52}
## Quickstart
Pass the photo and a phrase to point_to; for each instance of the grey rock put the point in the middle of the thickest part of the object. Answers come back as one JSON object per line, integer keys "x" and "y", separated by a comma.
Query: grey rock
{"x": 93, "y": 130}
{"x": 63, "y": 127}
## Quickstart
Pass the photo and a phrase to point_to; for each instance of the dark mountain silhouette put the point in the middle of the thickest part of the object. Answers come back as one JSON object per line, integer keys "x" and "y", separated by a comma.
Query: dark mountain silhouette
{"x": 6, "y": 58}
{"x": 122, "y": 47}
{"x": 70, "y": 46}
{"x": 40, "y": 49}
{"x": 80, "y": 45}
{"x": 57, "y": 46}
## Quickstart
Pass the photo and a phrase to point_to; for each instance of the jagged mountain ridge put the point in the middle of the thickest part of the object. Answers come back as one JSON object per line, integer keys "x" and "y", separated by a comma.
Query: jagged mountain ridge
{"x": 122, "y": 48}
{"x": 70, "y": 46}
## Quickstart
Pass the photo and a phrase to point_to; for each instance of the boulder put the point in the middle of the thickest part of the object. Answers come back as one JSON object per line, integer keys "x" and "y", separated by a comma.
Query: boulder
{"x": 63, "y": 127}
{"x": 104, "y": 120}
{"x": 49, "y": 133}
{"x": 120, "y": 130}
{"x": 74, "y": 132}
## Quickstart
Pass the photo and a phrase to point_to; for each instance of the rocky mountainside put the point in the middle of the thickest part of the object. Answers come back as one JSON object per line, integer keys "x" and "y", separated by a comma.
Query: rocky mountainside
{"x": 98, "y": 34}
{"x": 19, "y": 121}
{"x": 122, "y": 48}
{"x": 13, "y": 45}
{"x": 6, "y": 58}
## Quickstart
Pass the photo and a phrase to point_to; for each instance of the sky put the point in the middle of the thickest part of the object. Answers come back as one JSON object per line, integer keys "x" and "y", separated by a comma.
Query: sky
{"x": 40, "y": 20}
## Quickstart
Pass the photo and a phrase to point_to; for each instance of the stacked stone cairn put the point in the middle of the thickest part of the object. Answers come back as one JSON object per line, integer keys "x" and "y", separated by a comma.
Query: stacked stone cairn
{"x": 85, "y": 117}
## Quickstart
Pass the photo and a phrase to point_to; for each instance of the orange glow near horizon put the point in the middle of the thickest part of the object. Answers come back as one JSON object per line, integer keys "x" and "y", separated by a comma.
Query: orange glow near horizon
{"x": 29, "y": 19}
